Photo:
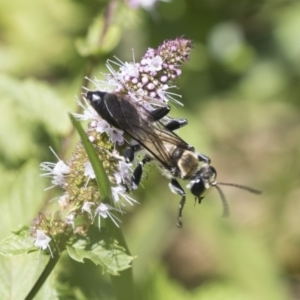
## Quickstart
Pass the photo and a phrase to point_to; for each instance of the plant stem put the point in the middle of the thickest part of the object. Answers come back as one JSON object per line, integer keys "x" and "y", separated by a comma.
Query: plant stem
{"x": 43, "y": 277}
{"x": 123, "y": 285}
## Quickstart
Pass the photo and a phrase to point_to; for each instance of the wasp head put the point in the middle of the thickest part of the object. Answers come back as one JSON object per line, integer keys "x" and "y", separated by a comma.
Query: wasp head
{"x": 202, "y": 180}
{"x": 95, "y": 97}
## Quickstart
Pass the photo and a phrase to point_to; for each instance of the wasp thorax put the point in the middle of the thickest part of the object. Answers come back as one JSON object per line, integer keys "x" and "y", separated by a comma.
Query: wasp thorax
{"x": 188, "y": 164}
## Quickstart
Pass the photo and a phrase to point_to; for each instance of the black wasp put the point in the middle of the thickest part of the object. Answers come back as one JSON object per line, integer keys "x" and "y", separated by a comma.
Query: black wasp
{"x": 176, "y": 158}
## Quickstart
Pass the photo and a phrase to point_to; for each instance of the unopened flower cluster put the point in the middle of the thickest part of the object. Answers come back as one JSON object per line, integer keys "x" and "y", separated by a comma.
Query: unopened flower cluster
{"x": 80, "y": 204}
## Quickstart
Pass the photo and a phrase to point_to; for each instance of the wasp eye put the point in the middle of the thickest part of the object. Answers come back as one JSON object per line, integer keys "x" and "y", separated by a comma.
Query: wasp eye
{"x": 198, "y": 188}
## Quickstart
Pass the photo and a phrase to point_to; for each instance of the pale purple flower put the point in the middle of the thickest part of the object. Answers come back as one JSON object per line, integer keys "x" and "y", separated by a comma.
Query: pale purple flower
{"x": 89, "y": 112}
{"x": 92, "y": 139}
{"x": 70, "y": 219}
{"x": 54, "y": 169}
{"x": 119, "y": 192}
{"x": 124, "y": 172}
{"x": 103, "y": 211}
{"x": 42, "y": 241}
{"x": 87, "y": 207}
{"x": 130, "y": 69}
{"x": 115, "y": 135}
{"x": 57, "y": 171}
{"x": 57, "y": 180}
{"x": 63, "y": 201}
{"x": 145, "y": 79}
{"x": 88, "y": 170}
{"x": 165, "y": 95}
{"x": 60, "y": 168}
{"x": 154, "y": 64}
{"x": 102, "y": 126}
{"x": 150, "y": 86}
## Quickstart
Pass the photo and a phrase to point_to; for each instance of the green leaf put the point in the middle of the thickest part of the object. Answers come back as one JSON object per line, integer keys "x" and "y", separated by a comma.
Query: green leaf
{"x": 35, "y": 101}
{"x": 101, "y": 176}
{"x": 112, "y": 258}
{"x": 30, "y": 108}
{"x": 21, "y": 196}
{"x": 18, "y": 275}
{"x": 20, "y": 242}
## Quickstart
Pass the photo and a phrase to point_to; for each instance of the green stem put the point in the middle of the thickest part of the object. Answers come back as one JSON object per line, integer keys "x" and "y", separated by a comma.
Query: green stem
{"x": 43, "y": 277}
{"x": 123, "y": 285}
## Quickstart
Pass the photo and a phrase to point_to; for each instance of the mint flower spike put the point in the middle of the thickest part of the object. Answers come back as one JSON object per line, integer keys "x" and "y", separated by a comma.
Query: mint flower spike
{"x": 152, "y": 77}
{"x": 77, "y": 179}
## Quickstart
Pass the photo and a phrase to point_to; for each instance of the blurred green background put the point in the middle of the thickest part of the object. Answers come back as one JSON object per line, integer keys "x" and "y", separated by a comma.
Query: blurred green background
{"x": 241, "y": 91}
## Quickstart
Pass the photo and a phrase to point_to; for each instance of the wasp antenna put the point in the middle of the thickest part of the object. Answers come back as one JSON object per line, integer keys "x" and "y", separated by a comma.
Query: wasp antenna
{"x": 242, "y": 187}
{"x": 224, "y": 202}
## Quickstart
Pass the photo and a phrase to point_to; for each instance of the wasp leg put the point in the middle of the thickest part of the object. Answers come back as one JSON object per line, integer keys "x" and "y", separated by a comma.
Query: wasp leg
{"x": 138, "y": 172}
{"x": 175, "y": 124}
{"x": 199, "y": 199}
{"x": 130, "y": 151}
{"x": 177, "y": 189}
{"x": 159, "y": 113}
{"x": 203, "y": 158}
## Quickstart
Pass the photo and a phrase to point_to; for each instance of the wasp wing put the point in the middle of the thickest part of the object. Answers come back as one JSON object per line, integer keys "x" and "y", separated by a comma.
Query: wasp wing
{"x": 139, "y": 124}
